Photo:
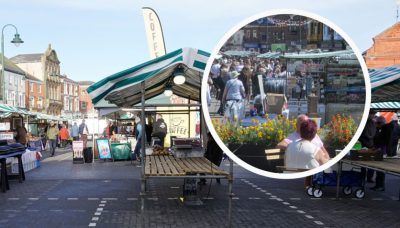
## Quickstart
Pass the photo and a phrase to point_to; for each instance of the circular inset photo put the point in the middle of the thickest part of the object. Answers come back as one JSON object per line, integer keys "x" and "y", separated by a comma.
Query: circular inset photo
{"x": 286, "y": 94}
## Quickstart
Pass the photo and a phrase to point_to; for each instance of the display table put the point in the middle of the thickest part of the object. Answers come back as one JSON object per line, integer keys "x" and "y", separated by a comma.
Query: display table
{"x": 36, "y": 143}
{"x": 4, "y": 176}
{"x": 29, "y": 161}
{"x": 121, "y": 151}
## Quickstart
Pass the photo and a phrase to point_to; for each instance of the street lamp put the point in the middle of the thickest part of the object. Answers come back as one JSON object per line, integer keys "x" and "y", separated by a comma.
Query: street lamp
{"x": 16, "y": 41}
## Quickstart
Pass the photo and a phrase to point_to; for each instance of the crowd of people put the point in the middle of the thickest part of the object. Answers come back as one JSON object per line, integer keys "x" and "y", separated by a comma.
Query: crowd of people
{"x": 381, "y": 135}
{"x": 234, "y": 82}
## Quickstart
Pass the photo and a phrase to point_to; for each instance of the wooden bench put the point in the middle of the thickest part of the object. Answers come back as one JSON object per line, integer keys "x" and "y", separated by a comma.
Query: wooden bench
{"x": 166, "y": 165}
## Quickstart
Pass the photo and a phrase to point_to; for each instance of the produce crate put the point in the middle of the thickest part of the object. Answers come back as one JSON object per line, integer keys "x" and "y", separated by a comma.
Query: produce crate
{"x": 366, "y": 155}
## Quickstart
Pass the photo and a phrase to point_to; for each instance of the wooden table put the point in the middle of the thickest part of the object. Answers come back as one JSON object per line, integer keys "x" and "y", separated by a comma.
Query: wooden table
{"x": 388, "y": 165}
{"x": 165, "y": 165}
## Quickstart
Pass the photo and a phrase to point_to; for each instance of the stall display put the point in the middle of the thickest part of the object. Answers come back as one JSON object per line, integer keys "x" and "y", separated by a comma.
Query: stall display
{"x": 121, "y": 151}
{"x": 187, "y": 147}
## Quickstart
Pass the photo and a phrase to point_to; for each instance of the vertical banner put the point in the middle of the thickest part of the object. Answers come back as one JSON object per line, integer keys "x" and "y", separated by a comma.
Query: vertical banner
{"x": 155, "y": 37}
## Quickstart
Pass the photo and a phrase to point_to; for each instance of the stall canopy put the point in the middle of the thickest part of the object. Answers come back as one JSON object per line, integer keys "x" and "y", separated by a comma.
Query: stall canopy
{"x": 386, "y": 105}
{"x": 124, "y": 88}
{"x": 239, "y": 53}
{"x": 269, "y": 55}
{"x": 385, "y": 83}
{"x": 321, "y": 55}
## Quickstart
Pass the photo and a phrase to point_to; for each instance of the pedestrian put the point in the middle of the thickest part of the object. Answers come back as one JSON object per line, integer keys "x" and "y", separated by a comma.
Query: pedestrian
{"x": 160, "y": 129}
{"x": 22, "y": 134}
{"x": 64, "y": 135}
{"x": 232, "y": 98}
{"x": 52, "y": 135}
{"x": 138, "y": 136}
{"x": 245, "y": 77}
{"x": 75, "y": 132}
{"x": 394, "y": 137}
{"x": 381, "y": 141}
{"x": 367, "y": 140}
{"x": 83, "y": 133}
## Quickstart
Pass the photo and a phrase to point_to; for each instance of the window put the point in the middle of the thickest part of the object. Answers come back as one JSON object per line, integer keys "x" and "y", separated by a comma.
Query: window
{"x": 254, "y": 33}
{"x": 39, "y": 88}
{"x": 248, "y": 33}
{"x": 31, "y": 87}
{"x": 65, "y": 88}
{"x": 40, "y": 103}
{"x": 31, "y": 102}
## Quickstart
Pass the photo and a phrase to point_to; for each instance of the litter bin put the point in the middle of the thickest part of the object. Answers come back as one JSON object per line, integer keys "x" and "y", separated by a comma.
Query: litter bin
{"x": 88, "y": 155}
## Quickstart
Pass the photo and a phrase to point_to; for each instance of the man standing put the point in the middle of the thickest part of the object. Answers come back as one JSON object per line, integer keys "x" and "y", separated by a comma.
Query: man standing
{"x": 52, "y": 135}
{"x": 367, "y": 140}
{"x": 75, "y": 132}
{"x": 83, "y": 132}
{"x": 138, "y": 135}
{"x": 160, "y": 129}
{"x": 21, "y": 136}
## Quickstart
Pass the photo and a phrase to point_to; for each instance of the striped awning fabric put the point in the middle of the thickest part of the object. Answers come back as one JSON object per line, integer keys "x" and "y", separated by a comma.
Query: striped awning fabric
{"x": 124, "y": 90}
{"x": 344, "y": 53}
{"x": 386, "y": 105}
{"x": 385, "y": 83}
{"x": 269, "y": 55}
{"x": 12, "y": 109}
{"x": 238, "y": 53}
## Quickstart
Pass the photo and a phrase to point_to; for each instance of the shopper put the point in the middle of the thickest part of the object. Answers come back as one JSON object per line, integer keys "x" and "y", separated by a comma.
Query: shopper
{"x": 52, "y": 135}
{"x": 75, "y": 132}
{"x": 22, "y": 135}
{"x": 394, "y": 137}
{"x": 232, "y": 98}
{"x": 381, "y": 141}
{"x": 83, "y": 133}
{"x": 64, "y": 136}
{"x": 303, "y": 154}
{"x": 160, "y": 129}
{"x": 138, "y": 135}
{"x": 367, "y": 140}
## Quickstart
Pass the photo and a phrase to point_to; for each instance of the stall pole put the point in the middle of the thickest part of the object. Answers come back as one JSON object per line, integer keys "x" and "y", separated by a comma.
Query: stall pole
{"x": 338, "y": 175}
{"x": 230, "y": 194}
{"x": 143, "y": 151}
{"x": 189, "y": 114}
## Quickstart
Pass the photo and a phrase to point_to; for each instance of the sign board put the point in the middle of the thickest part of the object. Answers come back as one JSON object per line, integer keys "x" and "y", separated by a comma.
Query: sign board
{"x": 6, "y": 136}
{"x": 77, "y": 148}
{"x": 4, "y": 126}
{"x": 103, "y": 147}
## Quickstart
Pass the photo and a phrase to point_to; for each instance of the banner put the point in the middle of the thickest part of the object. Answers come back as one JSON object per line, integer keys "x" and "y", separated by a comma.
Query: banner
{"x": 155, "y": 37}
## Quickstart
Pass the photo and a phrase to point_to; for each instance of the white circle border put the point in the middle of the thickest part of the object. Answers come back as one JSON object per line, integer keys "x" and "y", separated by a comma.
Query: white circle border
{"x": 332, "y": 161}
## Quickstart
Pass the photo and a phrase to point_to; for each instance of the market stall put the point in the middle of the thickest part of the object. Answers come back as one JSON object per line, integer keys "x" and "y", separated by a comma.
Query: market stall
{"x": 151, "y": 79}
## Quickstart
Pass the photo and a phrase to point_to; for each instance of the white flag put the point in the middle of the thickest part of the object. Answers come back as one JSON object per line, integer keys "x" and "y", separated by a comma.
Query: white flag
{"x": 155, "y": 37}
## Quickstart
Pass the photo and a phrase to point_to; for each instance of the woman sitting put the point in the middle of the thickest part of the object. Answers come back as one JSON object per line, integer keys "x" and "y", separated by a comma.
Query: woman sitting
{"x": 302, "y": 154}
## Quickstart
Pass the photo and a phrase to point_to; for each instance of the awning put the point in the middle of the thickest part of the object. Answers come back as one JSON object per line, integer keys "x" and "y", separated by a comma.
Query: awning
{"x": 385, "y": 83}
{"x": 239, "y": 53}
{"x": 269, "y": 55}
{"x": 344, "y": 53}
{"x": 386, "y": 105}
{"x": 123, "y": 88}
{"x": 12, "y": 109}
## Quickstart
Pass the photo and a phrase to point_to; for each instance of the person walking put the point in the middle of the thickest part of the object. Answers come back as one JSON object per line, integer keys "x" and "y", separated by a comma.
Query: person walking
{"x": 75, "y": 132}
{"x": 64, "y": 135}
{"x": 83, "y": 133}
{"x": 160, "y": 129}
{"x": 138, "y": 136}
{"x": 52, "y": 135}
{"x": 381, "y": 141}
{"x": 233, "y": 96}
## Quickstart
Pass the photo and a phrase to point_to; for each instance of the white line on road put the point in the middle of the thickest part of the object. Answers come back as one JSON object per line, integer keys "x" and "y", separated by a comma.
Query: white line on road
{"x": 93, "y": 198}
{"x": 33, "y": 198}
{"x": 13, "y": 198}
{"x": 254, "y": 198}
{"x": 309, "y": 216}
{"x": 95, "y": 218}
{"x": 97, "y": 213}
{"x": 52, "y": 198}
{"x": 103, "y": 201}
{"x": 319, "y": 223}
{"x": 131, "y": 199}
{"x": 235, "y": 198}
{"x": 293, "y": 207}
{"x": 286, "y": 203}
{"x": 301, "y": 212}
{"x": 174, "y": 187}
{"x": 295, "y": 198}
{"x": 99, "y": 209}
{"x": 208, "y": 198}
{"x": 92, "y": 224}
{"x": 110, "y": 198}
{"x": 72, "y": 198}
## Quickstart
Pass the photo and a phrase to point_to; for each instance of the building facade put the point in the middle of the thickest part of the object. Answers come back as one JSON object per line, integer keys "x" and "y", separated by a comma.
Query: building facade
{"x": 45, "y": 67}
{"x": 385, "y": 50}
{"x": 35, "y": 97}
{"x": 14, "y": 84}
{"x": 86, "y": 106}
{"x": 70, "y": 97}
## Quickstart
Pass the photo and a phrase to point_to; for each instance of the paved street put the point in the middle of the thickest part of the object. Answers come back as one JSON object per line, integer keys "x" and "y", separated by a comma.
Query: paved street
{"x": 61, "y": 194}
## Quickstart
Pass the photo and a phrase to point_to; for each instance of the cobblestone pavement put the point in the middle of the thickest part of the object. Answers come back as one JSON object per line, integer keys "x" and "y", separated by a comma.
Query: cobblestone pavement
{"x": 107, "y": 194}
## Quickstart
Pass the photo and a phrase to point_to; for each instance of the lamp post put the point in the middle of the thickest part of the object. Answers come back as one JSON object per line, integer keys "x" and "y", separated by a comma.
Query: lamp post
{"x": 16, "y": 41}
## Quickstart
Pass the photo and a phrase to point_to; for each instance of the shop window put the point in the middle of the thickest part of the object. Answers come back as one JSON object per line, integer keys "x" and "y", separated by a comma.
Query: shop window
{"x": 248, "y": 34}
{"x": 31, "y": 87}
{"x": 255, "y": 34}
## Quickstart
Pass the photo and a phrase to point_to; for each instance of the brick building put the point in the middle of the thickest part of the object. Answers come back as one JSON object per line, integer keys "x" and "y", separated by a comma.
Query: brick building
{"x": 385, "y": 50}
{"x": 35, "y": 97}
{"x": 86, "y": 106}
{"x": 70, "y": 97}
{"x": 45, "y": 67}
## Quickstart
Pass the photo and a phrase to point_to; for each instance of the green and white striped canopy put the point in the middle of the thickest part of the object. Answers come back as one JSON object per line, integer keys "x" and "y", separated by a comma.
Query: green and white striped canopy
{"x": 269, "y": 55}
{"x": 320, "y": 55}
{"x": 11, "y": 109}
{"x": 386, "y": 105}
{"x": 124, "y": 90}
{"x": 238, "y": 53}
{"x": 385, "y": 83}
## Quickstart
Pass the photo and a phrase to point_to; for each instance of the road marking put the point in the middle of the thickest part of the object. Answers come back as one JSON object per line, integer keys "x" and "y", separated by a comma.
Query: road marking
{"x": 99, "y": 209}
{"x": 92, "y": 224}
{"x": 52, "y": 198}
{"x": 56, "y": 210}
{"x": 279, "y": 199}
{"x": 95, "y": 218}
{"x": 208, "y": 198}
{"x": 301, "y": 212}
{"x": 254, "y": 198}
{"x": 258, "y": 188}
{"x": 33, "y": 198}
{"x": 262, "y": 190}
{"x": 12, "y": 210}
{"x": 13, "y": 198}
{"x": 110, "y": 198}
{"x": 377, "y": 199}
{"x": 286, "y": 203}
{"x": 32, "y": 210}
{"x": 131, "y": 199}
{"x": 152, "y": 198}
{"x": 235, "y": 198}
{"x": 93, "y": 198}
{"x": 97, "y": 213}
{"x": 72, "y": 198}
{"x": 315, "y": 198}
{"x": 309, "y": 216}
{"x": 293, "y": 207}
{"x": 295, "y": 198}
{"x": 103, "y": 201}
{"x": 267, "y": 193}
{"x": 102, "y": 205}
{"x": 172, "y": 198}
{"x": 78, "y": 210}
{"x": 174, "y": 187}
{"x": 319, "y": 223}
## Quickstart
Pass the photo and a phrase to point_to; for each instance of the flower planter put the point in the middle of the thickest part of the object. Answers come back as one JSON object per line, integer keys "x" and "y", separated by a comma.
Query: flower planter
{"x": 254, "y": 155}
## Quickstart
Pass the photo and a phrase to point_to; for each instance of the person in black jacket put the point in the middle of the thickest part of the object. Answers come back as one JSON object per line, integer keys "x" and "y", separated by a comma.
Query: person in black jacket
{"x": 160, "y": 129}
{"x": 367, "y": 140}
{"x": 394, "y": 137}
{"x": 381, "y": 141}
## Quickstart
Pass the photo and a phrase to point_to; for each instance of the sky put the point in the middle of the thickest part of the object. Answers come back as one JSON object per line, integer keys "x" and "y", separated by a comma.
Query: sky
{"x": 96, "y": 38}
